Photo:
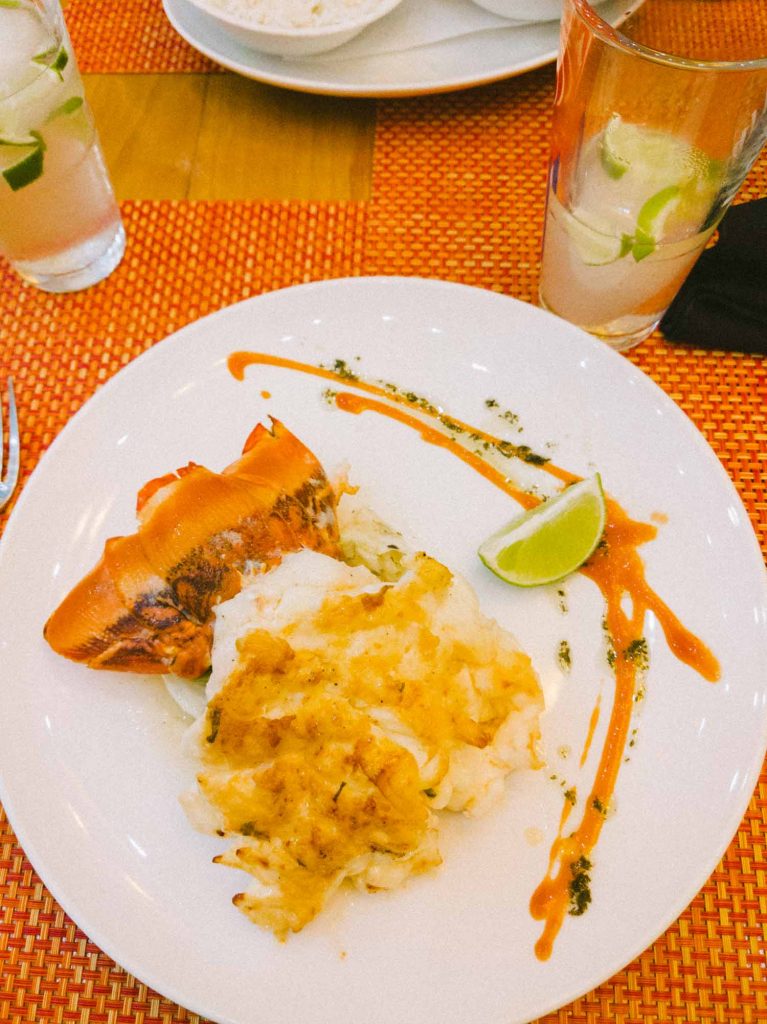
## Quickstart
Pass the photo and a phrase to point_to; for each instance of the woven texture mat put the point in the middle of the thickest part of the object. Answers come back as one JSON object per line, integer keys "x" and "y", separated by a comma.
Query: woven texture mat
{"x": 458, "y": 194}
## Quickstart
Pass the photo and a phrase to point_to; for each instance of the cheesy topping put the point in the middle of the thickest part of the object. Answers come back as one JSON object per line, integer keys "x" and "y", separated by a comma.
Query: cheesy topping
{"x": 343, "y": 713}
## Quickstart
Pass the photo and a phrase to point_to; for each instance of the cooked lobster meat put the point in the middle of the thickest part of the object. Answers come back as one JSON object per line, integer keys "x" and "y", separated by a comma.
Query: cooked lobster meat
{"x": 149, "y": 604}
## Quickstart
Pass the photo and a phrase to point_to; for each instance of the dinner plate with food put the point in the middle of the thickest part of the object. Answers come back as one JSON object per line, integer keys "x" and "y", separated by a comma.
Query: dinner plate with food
{"x": 394, "y": 652}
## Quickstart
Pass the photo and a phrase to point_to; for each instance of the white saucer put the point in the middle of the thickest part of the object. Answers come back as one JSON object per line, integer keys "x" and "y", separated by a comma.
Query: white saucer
{"x": 459, "y": 63}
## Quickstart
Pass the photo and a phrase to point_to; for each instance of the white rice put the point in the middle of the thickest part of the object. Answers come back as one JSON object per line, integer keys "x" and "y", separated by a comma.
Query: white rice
{"x": 298, "y": 14}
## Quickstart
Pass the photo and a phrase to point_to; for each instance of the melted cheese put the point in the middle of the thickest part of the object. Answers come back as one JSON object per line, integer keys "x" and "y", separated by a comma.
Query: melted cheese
{"x": 343, "y": 713}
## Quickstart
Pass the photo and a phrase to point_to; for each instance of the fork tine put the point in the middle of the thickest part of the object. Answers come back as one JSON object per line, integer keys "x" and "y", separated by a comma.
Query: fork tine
{"x": 8, "y": 483}
{"x": 13, "y": 438}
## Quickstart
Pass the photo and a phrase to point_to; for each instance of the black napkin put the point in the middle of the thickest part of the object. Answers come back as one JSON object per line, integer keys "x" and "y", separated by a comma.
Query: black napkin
{"x": 723, "y": 302}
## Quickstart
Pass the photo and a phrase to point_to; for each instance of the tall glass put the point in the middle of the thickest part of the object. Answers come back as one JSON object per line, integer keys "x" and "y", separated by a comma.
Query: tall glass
{"x": 60, "y": 225}
{"x": 655, "y": 127}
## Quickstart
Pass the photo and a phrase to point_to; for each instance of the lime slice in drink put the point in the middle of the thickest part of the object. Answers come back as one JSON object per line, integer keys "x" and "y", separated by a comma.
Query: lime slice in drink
{"x": 21, "y": 159}
{"x": 70, "y": 106}
{"x": 10, "y": 139}
{"x": 651, "y": 221}
{"x": 655, "y": 211}
{"x": 655, "y": 156}
{"x": 658, "y": 162}
{"x": 675, "y": 182}
{"x": 54, "y": 58}
{"x": 596, "y": 248}
{"x": 550, "y": 541}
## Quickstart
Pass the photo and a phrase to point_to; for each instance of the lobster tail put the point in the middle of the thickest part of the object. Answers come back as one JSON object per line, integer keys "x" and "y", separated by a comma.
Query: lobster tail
{"x": 148, "y": 605}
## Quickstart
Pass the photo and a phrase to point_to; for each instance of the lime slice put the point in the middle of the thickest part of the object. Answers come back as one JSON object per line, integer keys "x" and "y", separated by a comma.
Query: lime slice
{"x": 596, "y": 248}
{"x": 614, "y": 162}
{"x": 9, "y": 139}
{"x": 67, "y": 107}
{"x": 655, "y": 156}
{"x": 651, "y": 221}
{"x": 24, "y": 171}
{"x": 61, "y": 61}
{"x": 655, "y": 211}
{"x": 21, "y": 162}
{"x": 550, "y": 541}
{"x": 54, "y": 59}
{"x": 675, "y": 183}
{"x": 681, "y": 180}
{"x": 46, "y": 56}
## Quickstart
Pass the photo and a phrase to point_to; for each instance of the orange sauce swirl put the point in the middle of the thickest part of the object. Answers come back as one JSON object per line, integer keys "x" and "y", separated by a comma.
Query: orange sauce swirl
{"x": 593, "y": 721}
{"x": 357, "y": 404}
{"x": 616, "y": 568}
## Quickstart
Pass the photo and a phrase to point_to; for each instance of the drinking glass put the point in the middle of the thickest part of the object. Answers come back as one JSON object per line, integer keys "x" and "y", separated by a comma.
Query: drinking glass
{"x": 655, "y": 126}
{"x": 60, "y": 225}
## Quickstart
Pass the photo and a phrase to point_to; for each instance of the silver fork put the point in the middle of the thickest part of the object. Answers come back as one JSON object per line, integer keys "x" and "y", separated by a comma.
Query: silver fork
{"x": 9, "y": 481}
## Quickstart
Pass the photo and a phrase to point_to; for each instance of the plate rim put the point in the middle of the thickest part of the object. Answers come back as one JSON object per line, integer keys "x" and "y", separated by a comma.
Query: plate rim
{"x": 352, "y": 89}
{"x": 434, "y": 87}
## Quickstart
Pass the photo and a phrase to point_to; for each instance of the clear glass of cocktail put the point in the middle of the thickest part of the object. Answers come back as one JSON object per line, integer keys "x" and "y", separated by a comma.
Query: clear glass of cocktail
{"x": 655, "y": 127}
{"x": 60, "y": 225}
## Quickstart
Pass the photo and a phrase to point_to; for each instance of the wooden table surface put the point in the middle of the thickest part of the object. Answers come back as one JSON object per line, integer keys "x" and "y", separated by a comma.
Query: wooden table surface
{"x": 220, "y": 136}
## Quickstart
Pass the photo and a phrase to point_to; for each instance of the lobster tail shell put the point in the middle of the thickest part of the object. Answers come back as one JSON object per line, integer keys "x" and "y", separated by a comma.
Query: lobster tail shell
{"x": 148, "y": 605}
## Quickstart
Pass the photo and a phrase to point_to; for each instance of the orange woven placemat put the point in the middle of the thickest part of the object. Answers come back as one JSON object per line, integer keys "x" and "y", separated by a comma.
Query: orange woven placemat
{"x": 458, "y": 194}
{"x": 134, "y": 35}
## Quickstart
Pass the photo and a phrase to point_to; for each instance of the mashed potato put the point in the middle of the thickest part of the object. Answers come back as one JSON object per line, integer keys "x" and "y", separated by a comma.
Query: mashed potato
{"x": 344, "y": 711}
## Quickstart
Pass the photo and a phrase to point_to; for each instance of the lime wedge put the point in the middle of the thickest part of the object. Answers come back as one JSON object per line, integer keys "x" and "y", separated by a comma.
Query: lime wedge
{"x": 61, "y": 61}
{"x": 615, "y": 162}
{"x": 595, "y": 248}
{"x": 681, "y": 180}
{"x": 25, "y": 171}
{"x": 54, "y": 59}
{"x": 67, "y": 107}
{"x": 655, "y": 211}
{"x": 675, "y": 182}
{"x": 7, "y": 139}
{"x": 46, "y": 56}
{"x": 656, "y": 157}
{"x": 21, "y": 160}
{"x": 550, "y": 541}
{"x": 641, "y": 245}
{"x": 651, "y": 221}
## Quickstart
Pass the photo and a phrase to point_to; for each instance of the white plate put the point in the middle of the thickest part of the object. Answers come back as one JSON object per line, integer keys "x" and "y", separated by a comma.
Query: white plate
{"x": 90, "y": 762}
{"x": 458, "y": 63}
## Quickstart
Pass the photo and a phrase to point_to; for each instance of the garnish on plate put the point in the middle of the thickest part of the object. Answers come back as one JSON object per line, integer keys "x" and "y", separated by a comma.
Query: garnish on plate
{"x": 550, "y": 541}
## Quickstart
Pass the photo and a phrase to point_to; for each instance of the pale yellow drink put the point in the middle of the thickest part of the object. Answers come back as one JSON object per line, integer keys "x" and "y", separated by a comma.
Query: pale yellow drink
{"x": 656, "y": 123}
{"x": 59, "y": 222}
{"x": 636, "y": 220}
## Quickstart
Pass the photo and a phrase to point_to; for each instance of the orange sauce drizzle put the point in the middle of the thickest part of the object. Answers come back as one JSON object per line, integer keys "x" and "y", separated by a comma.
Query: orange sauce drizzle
{"x": 592, "y": 729}
{"x": 357, "y": 404}
{"x": 238, "y": 362}
{"x": 617, "y": 570}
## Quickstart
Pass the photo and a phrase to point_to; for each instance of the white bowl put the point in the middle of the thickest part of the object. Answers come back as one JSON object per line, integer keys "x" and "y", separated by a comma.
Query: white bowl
{"x": 524, "y": 10}
{"x": 291, "y": 42}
